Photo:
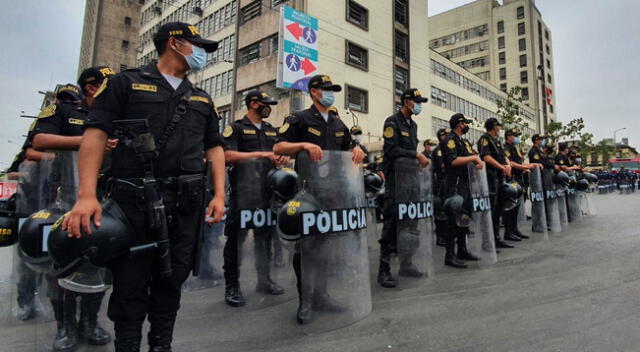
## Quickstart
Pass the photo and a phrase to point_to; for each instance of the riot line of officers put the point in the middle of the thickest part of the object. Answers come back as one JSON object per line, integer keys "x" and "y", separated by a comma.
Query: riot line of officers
{"x": 151, "y": 167}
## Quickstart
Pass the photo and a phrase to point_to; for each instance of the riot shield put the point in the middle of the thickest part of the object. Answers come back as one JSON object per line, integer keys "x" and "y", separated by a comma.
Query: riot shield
{"x": 257, "y": 235}
{"x": 561, "y": 192}
{"x": 480, "y": 239}
{"x": 551, "y": 203}
{"x": 587, "y": 205}
{"x": 211, "y": 259}
{"x": 335, "y": 279}
{"x": 538, "y": 212}
{"x": 414, "y": 227}
{"x": 625, "y": 186}
{"x": 573, "y": 204}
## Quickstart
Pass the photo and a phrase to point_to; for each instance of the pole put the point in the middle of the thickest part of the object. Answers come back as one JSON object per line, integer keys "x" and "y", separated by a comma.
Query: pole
{"x": 615, "y": 143}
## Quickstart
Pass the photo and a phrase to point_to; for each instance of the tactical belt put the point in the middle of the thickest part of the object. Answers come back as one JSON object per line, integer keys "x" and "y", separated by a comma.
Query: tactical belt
{"x": 129, "y": 184}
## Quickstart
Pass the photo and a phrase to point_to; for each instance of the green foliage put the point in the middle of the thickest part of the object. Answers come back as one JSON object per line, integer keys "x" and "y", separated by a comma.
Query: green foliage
{"x": 509, "y": 112}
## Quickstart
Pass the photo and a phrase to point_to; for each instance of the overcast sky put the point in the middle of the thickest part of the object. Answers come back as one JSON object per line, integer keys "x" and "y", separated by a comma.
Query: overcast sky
{"x": 595, "y": 48}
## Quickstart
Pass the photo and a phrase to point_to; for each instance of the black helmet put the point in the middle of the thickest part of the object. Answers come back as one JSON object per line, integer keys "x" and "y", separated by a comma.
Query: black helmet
{"x": 290, "y": 215}
{"x": 282, "y": 182}
{"x": 561, "y": 178}
{"x": 438, "y": 209}
{"x": 106, "y": 242}
{"x": 372, "y": 183}
{"x": 454, "y": 206}
{"x": 572, "y": 181}
{"x": 8, "y": 228}
{"x": 33, "y": 238}
{"x": 590, "y": 177}
{"x": 582, "y": 185}
{"x": 509, "y": 195}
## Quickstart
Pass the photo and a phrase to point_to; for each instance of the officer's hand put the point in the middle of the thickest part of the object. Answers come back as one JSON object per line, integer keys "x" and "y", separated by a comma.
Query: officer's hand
{"x": 80, "y": 216}
{"x": 314, "y": 151}
{"x": 423, "y": 160}
{"x": 282, "y": 160}
{"x": 270, "y": 156}
{"x": 507, "y": 171}
{"x": 479, "y": 163}
{"x": 111, "y": 144}
{"x": 358, "y": 155}
{"x": 215, "y": 210}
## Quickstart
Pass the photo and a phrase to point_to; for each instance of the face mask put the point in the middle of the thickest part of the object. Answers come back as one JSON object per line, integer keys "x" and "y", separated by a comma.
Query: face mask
{"x": 465, "y": 130}
{"x": 417, "y": 108}
{"x": 327, "y": 99}
{"x": 358, "y": 137}
{"x": 578, "y": 160}
{"x": 264, "y": 111}
{"x": 544, "y": 143}
{"x": 516, "y": 140}
{"x": 198, "y": 58}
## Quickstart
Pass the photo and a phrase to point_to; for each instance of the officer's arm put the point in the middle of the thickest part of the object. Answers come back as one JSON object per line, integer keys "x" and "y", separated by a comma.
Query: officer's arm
{"x": 36, "y": 155}
{"x": 48, "y": 129}
{"x": 218, "y": 174}
{"x": 392, "y": 147}
{"x": 485, "y": 154}
{"x": 231, "y": 153}
{"x": 451, "y": 157}
{"x": 89, "y": 161}
{"x": 44, "y": 141}
{"x": 290, "y": 140}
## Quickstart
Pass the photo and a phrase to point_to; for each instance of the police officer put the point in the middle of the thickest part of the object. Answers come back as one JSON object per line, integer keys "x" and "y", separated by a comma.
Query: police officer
{"x": 498, "y": 169}
{"x": 563, "y": 161}
{"x": 536, "y": 153}
{"x": 518, "y": 168}
{"x": 400, "y": 140}
{"x": 438, "y": 184}
{"x": 250, "y": 137}
{"x": 183, "y": 124}
{"x": 457, "y": 154}
{"x": 59, "y": 127}
{"x": 428, "y": 145}
{"x": 314, "y": 130}
{"x": 357, "y": 138}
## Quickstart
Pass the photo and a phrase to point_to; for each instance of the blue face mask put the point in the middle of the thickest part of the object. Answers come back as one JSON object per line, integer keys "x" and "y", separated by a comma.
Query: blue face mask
{"x": 516, "y": 140}
{"x": 544, "y": 143}
{"x": 198, "y": 58}
{"x": 327, "y": 99}
{"x": 417, "y": 108}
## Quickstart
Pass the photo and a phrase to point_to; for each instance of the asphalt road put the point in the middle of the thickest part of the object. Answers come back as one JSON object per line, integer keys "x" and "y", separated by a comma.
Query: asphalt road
{"x": 578, "y": 291}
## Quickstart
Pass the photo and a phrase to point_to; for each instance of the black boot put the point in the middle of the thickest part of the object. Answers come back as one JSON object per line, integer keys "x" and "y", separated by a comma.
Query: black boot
{"x": 160, "y": 334}
{"x": 408, "y": 269}
{"x": 440, "y": 241}
{"x": 233, "y": 296}
{"x": 520, "y": 234}
{"x": 463, "y": 252}
{"x": 90, "y": 330}
{"x": 127, "y": 345}
{"x": 384, "y": 274}
{"x": 450, "y": 258}
{"x": 503, "y": 244}
{"x": 324, "y": 303}
{"x": 304, "y": 315}
{"x": 511, "y": 237}
{"x": 66, "y": 336}
{"x": 266, "y": 285}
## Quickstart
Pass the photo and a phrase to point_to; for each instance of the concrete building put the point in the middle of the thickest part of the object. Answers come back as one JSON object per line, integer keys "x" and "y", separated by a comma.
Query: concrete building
{"x": 110, "y": 34}
{"x": 505, "y": 44}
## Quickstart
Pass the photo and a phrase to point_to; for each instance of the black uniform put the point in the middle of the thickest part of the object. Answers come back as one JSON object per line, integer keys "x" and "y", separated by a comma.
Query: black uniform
{"x": 138, "y": 291}
{"x": 437, "y": 158}
{"x": 309, "y": 126}
{"x": 488, "y": 145}
{"x": 244, "y": 136}
{"x": 513, "y": 153}
{"x": 536, "y": 155}
{"x": 400, "y": 141}
{"x": 563, "y": 160}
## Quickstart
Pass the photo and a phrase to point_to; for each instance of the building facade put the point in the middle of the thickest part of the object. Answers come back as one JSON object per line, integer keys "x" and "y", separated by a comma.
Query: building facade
{"x": 110, "y": 34}
{"x": 507, "y": 45}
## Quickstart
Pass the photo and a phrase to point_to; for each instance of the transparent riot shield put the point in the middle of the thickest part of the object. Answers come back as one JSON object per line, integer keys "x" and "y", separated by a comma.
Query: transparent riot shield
{"x": 573, "y": 204}
{"x": 587, "y": 205}
{"x": 551, "y": 204}
{"x": 561, "y": 192}
{"x": 211, "y": 260}
{"x": 266, "y": 280}
{"x": 625, "y": 186}
{"x": 480, "y": 239}
{"x": 538, "y": 212}
{"x": 335, "y": 281}
{"x": 414, "y": 227}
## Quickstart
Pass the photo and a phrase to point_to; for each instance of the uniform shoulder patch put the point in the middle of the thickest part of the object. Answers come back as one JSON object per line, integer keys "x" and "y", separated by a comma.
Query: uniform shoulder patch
{"x": 561, "y": 162}
{"x": 485, "y": 142}
{"x": 284, "y": 128}
{"x": 388, "y": 132}
{"x": 439, "y": 153}
{"x": 451, "y": 144}
{"x": 49, "y": 111}
{"x": 507, "y": 153}
{"x": 103, "y": 86}
{"x": 33, "y": 125}
{"x": 228, "y": 131}
{"x": 536, "y": 157}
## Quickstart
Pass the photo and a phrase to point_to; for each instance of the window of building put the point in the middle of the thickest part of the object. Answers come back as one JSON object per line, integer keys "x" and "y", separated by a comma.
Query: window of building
{"x": 401, "y": 80}
{"x": 502, "y": 58}
{"x": 548, "y": 50}
{"x": 357, "y": 99}
{"x": 125, "y": 45}
{"x": 503, "y": 73}
{"x": 356, "y": 55}
{"x": 523, "y": 60}
{"x": 466, "y": 50}
{"x": 127, "y": 21}
{"x": 249, "y": 54}
{"x": 549, "y": 78}
{"x": 548, "y": 64}
{"x": 251, "y": 11}
{"x": 520, "y": 12}
{"x": 484, "y": 75}
{"x": 551, "y": 109}
{"x": 357, "y": 14}
{"x": 522, "y": 44}
{"x": 521, "y": 29}
{"x": 458, "y": 37}
{"x": 401, "y": 46}
{"x": 524, "y": 77}
{"x": 276, "y": 3}
{"x": 273, "y": 45}
{"x": 524, "y": 93}
{"x": 401, "y": 12}
{"x": 503, "y": 87}
{"x": 500, "y": 26}
{"x": 123, "y": 67}
{"x": 477, "y": 62}
{"x": 546, "y": 34}
{"x": 500, "y": 42}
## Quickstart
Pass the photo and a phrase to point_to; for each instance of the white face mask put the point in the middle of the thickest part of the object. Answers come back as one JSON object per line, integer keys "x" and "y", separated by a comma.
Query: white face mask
{"x": 358, "y": 137}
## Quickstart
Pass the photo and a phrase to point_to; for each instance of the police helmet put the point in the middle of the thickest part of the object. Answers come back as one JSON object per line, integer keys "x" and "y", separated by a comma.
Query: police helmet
{"x": 454, "y": 206}
{"x": 32, "y": 241}
{"x": 106, "y": 242}
{"x": 582, "y": 185}
{"x": 561, "y": 178}
{"x": 8, "y": 228}
{"x": 372, "y": 183}
{"x": 290, "y": 215}
{"x": 590, "y": 177}
{"x": 282, "y": 182}
{"x": 509, "y": 194}
{"x": 572, "y": 181}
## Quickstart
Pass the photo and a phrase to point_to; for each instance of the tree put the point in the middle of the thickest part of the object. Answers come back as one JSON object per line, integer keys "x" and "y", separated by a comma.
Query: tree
{"x": 554, "y": 131}
{"x": 509, "y": 111}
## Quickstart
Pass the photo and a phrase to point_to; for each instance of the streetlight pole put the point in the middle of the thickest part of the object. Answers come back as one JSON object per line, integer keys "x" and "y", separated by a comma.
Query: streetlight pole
{"x": 615, "y": 143}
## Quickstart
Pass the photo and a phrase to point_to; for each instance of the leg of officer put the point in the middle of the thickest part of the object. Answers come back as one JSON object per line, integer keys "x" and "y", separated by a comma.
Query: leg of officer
{"x": 262, "y": 248}
{"x": 388, "y": 239}
{"x": 235, "y": 237}
{"x": 26, "y": 290}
